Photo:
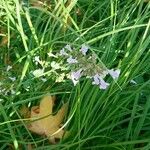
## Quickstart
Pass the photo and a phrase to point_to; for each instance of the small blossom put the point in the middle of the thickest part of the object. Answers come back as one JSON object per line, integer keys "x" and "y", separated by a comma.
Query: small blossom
{"x": 12, "y": 92}
{"x": 84, "y": 49}
{"x": 50, "y": 54}
{"x": 8, "y": 68}
{"x": 114, "y": 73}
{"x": 38, "y": 72}
{"x": 12, "y": 78}
{"x": 68, "y": 47}
{"x": 98, "y": 80}
{"x": 132, "y": 81}
{"x": 75, "y": 76}
{"x": 44, "y": 79}
{"x": 63, "y": 53}
{"x": 37, "y": 58}
{"x": 71, "y": 60}
{"x": 55, "y": 65}
{"x": 103, "y": 84}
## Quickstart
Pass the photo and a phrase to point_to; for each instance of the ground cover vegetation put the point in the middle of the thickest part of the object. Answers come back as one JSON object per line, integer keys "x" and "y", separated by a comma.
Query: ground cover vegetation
{"x": 75, "y": 74}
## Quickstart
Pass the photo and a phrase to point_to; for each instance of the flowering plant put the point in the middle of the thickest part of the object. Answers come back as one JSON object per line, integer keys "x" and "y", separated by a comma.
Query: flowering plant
{"x": 83, "y": 64}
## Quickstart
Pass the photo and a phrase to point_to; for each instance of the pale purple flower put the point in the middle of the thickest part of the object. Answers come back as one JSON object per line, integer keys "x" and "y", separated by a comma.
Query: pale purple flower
{"x": 62, "y": 52}
{"x": 75, "y": 76}
{"x": 84, "y": 49}
{"x": 114, "y": 73}
{"x": 68, "y": 47}
{"x": 98, "y": 80}
{"x": 71, "y": 60}
{"x": 103, "y": 84}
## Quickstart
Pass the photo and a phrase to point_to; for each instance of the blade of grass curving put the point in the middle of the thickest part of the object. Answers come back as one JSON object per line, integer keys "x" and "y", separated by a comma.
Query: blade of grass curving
{"x": 15, "y": 142}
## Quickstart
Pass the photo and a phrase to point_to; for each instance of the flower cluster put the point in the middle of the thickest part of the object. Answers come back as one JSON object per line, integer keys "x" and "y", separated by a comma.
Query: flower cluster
{"x": 83, "y": 64}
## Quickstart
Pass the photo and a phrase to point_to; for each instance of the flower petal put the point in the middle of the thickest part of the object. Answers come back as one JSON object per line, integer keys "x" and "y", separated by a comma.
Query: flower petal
{"x": 96, "y": 80}
{"x": 75, "y": 76}
{"x": 71, "y": 60}
{"x": 12, "y": 78}
{"x": 134, "y": 82}
{"x": 114, "y": 73}
{"x": 38, "y": 72}
{"x": 62, "y": 52}
{"x": 8, "y": 68}
{"x": 68, "y": 47}
{"x": 84, "y": 49}
{"x": 37, "y": 58}
{"x": 103, "y": 84}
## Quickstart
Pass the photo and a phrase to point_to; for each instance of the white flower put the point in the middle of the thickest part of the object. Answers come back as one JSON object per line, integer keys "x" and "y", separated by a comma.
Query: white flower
{"x": 44, "y": 79}
{"x": 12, "y": 92}
{"x": 55, "y": 65}
{"x": 38, "y": 72}
{"x": 12, "y": 78}
{"x": 37, "y": 58}
{"x": 75, "y": 76}
{"x": 50, "y": 54}
{"x": 103, "y": 84}
{"x": 71, "y": 60}
{"x": 114, "y": 73}
{"x": 84, "y": 49}
{"x": 8, "y": 68}
{"x": 132, "y": 81}
{"x": 68, "y": 47}
{"x": 62, "y": 52}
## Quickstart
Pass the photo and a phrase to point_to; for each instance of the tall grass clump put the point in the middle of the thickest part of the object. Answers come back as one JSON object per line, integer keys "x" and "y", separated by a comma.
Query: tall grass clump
{"x": 117, "y": 33}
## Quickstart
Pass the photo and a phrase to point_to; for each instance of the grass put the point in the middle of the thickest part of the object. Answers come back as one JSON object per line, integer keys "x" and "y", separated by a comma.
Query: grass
{"x": 117, "y": 31}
